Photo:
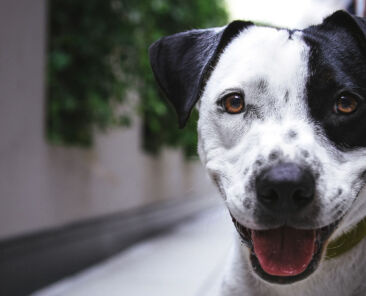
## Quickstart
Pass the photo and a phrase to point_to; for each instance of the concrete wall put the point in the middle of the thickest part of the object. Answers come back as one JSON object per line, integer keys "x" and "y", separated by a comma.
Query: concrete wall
{"x": 43, "y": 186}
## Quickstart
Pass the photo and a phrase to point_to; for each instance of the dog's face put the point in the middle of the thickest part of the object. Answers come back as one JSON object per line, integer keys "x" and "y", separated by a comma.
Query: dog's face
{"x": 282, "y": 131}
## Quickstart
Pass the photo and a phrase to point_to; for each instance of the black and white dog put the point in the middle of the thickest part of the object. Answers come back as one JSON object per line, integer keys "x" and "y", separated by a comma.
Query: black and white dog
{"x": 282, "y": 132}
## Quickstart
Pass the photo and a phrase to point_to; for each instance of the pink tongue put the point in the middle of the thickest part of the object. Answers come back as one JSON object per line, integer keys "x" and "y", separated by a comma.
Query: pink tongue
{"x": 284, "y": 251}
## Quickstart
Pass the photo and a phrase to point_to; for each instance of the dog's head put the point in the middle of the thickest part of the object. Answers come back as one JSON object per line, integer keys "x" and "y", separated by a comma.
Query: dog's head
{"x": 282, "y": 130}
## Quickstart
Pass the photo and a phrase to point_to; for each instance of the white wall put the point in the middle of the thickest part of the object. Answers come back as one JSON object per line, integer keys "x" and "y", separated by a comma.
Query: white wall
{"x": 43, "y": 186}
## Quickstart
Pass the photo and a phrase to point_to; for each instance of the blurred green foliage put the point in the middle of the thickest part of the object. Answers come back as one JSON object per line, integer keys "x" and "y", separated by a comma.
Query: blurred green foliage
{"x": 98, "y": 52}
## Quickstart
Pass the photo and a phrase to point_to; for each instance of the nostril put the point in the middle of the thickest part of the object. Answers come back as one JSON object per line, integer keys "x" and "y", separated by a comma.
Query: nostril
{"x": 302, "y": 197}
{"x": 270, "y": 197}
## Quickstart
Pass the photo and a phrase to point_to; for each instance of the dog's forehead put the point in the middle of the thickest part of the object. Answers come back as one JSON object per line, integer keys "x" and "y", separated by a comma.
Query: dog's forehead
{"x": 263, "y": 55}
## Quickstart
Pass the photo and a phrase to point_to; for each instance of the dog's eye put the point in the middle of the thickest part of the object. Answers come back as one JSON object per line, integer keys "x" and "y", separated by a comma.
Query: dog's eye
{"x": 345, "y": 104}
{"x": 233, "y": 103}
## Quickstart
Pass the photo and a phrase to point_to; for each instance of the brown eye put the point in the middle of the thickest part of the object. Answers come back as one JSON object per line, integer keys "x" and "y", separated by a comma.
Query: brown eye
{"x": 233, "y": 103}
{"x": 346, "y": 104}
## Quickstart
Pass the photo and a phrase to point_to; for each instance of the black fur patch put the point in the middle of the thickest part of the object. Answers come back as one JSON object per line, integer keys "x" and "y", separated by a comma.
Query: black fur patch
{"x": 337, "y": 64}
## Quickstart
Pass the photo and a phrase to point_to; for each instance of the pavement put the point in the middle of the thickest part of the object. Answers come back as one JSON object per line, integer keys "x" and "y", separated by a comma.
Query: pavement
{"x": 186, "y": 261}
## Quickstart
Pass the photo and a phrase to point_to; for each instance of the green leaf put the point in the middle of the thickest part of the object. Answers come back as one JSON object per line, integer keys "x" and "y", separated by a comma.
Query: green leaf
{"x": 97, "y": 52}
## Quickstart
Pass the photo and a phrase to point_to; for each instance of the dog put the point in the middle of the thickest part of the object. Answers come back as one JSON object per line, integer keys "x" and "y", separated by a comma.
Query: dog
{"x": 282, "y": 133}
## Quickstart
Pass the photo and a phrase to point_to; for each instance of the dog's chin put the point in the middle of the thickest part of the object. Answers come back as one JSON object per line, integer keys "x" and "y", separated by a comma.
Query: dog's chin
{"x": 285, "y": 255}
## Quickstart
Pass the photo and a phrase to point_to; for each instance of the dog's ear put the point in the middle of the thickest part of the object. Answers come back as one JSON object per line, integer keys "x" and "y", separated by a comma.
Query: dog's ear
{"x": 353, "y": 24}
{"x": 182, "y": 63}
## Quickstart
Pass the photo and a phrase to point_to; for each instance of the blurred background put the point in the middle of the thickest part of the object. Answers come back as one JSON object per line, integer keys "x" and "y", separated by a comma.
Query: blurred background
{"x": 92, "y": 160}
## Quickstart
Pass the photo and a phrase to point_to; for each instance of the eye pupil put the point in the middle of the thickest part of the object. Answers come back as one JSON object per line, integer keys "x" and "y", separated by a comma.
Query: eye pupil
{"x": 235, "y": 102}
{"x": 345, "y": 103}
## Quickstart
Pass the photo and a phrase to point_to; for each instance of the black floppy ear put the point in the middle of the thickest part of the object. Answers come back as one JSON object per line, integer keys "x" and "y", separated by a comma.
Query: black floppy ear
{"x": 354, "y": 24}
{"x": 182, "y": 63}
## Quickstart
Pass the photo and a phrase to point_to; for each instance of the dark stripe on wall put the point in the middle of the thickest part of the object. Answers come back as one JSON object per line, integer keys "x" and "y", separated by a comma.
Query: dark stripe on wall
{"x": 30, "y": 262}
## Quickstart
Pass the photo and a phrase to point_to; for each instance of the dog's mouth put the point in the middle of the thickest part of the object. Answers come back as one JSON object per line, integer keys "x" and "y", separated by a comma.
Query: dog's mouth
{"x": 285, "y": 255}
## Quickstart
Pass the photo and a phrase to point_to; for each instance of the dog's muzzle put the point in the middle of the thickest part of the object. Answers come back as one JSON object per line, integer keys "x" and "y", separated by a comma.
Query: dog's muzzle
{"x": 283, "y": 192}
{"x": 282, "y": 253}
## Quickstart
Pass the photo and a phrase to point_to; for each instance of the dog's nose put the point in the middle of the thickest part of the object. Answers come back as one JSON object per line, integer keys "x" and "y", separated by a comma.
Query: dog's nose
{"x": 285, "y": 189}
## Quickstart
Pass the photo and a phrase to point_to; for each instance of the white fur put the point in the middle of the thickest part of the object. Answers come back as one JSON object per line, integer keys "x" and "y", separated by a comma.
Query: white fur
{"x": 230, "y": 144}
